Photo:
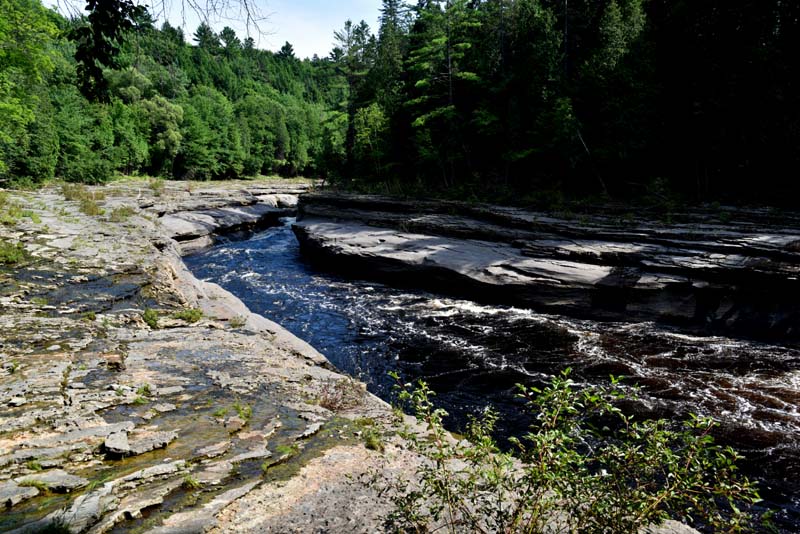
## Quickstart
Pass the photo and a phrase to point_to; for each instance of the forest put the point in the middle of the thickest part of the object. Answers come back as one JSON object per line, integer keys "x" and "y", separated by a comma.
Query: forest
{"x": 529, "y": 101}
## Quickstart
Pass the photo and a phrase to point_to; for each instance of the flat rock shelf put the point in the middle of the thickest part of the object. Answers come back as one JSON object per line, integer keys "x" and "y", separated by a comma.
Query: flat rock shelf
{"x": 737, "y": 277}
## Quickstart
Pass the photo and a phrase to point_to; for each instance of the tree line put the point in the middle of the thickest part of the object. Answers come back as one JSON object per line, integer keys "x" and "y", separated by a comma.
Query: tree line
{"x": 525, "y": 100}
{"x": 207, "y": 106}
{"x": 611, "y": 98}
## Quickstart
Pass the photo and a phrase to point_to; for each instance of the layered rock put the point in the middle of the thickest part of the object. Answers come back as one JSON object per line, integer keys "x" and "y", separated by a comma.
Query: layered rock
{"x": 734, "y": 272}
{"x": 197, "y": 218}
{"x": 167, "y": 425}
{"x": 117, "y": 417}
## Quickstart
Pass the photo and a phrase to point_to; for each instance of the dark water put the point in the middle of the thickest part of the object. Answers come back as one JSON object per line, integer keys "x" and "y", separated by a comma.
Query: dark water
{"x": 473, "y": 354}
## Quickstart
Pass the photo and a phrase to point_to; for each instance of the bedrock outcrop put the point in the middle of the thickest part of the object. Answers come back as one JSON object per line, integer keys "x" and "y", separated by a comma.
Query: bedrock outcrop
{"x": 108, "y": 422}
{"x": 730, "y": 271}
{"x": 121, "y": 412}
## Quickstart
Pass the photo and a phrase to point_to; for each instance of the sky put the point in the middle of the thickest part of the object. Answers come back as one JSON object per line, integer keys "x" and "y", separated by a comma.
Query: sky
{"x": 307, "y": 24}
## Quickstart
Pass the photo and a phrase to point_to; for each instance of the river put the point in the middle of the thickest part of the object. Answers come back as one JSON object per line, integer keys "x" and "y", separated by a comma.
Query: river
{"x": 473, "y": 354}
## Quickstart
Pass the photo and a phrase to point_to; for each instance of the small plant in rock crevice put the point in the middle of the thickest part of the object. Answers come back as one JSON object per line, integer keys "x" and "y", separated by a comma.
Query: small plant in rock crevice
{"x": 341, "y": 394}
{"x": 150, "y": 317}
{"x": 11, "y": 253}
{"x": 191, "y": 483}
{"x": 244, "y": 411}
{"x": 568, "y": 473}
{"x": 121, "y": 214}
{"x": 190, "y": 315}
{"x": 38, "y": 484}
{"x": 237, "y": 322}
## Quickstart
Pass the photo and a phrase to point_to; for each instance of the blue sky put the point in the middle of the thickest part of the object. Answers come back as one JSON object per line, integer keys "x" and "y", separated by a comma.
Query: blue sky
{"x": 307, "y": 24}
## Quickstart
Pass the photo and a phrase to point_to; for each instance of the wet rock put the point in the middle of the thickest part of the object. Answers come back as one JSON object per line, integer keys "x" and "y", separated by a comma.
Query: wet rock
{"x": 122, "y": 444}
{"x": 310, "y": 430}
{"x": 117, "y": 443}
{"x": 157, "y": 409}
{"x": 200, "y": 520}
{"x": 260, "y": 452}
{"x": 156, "y": 471}
{"x": 234, "y": 424}
{"x": 131, "y": 506}
{"x": 157, "y": 440}
{"x": 83, "y": 434}
{"x": 11, "y": 493}
{"x": 88, "y": 509}
{"x": 169, "y": 390}
{"x": 212, "y": 451}
{"x": 56, "y": 480}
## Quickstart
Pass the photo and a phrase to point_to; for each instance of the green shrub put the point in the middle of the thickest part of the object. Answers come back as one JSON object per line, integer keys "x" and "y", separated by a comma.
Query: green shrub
{"x": 150, "y": 317}
{"x": 568, "y": 474}
{"x": 90, "y": 207}
{"x": 373, "y": 439}
{"x": 157, "y": 186}
{"x": 33, "y": 465}
{"x": 121, "y": 214}
{"x": 32, "y": 215}
{"x": 191, "y": 483}
{"x": 11, "y": 253}
{"x": 190, "y": 315}
{"x": 244, "y": 411}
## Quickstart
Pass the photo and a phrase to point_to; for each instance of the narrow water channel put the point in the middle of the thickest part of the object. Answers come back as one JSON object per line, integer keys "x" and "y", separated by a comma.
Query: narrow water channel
{"x": 473, "y": 354}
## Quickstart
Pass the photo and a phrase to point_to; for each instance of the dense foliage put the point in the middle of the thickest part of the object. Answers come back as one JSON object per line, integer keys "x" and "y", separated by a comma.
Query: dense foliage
{"x": 522, "y": 99}
{"x": 218, "y": 108}
{"x": 628, "y": 98}
{"x": 584, "y": 466}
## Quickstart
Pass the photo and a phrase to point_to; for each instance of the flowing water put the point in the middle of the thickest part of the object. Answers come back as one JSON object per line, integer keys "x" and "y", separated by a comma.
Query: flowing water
{"x": 473, "y": 354}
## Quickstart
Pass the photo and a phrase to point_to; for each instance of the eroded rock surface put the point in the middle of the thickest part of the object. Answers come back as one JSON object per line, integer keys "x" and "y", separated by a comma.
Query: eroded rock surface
{"x": 110, "y": 421}
{"x": 103, "y": 416}
{"x": 732, "y": 272}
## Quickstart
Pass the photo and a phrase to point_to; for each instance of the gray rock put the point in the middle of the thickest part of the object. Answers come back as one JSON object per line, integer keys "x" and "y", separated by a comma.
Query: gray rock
{"x": 82, "y": 434}
{"x": 169, "y": 390}
{"x": 212, "y": 451}
{"x": 11, "y": 493}
{"x": 156, "y": 471}
{"x": 56, "y": 480}
{"x": 122, "y": 443}
{"x": 157, "y": 440}
{"x": 260, "y": 452}
{"x": 695, "y": 273}
{"x": 234, "y": 424}
{"x": 117, "y": 443}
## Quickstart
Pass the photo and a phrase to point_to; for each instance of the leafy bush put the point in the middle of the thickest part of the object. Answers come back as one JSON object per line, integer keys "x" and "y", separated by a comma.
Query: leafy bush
{"x": 190, "y": 315}
{"x": 121, "y": 214}
{"x": 90, "y": 207}
{"x": 150, "y": 317}
{"x": 569, "y": 473}
{"x": 11, "y": 253}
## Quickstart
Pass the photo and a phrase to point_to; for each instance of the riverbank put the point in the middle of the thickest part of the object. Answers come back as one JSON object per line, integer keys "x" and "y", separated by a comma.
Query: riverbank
{"x": 138, "y": 398}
